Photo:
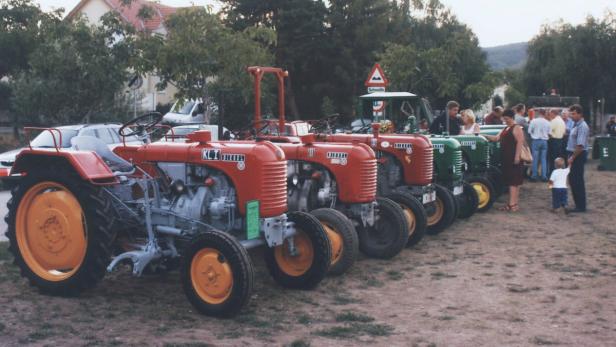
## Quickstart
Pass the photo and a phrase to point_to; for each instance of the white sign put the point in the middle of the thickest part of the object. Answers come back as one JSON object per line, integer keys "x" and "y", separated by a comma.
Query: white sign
{"x": 376, "y": 89}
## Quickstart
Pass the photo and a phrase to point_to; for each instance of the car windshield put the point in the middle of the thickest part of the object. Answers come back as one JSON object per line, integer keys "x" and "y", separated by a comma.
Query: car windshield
{"x": 183, "y": 131}
{"x": 46, "y": 140}
{"x": 183, "y": 107}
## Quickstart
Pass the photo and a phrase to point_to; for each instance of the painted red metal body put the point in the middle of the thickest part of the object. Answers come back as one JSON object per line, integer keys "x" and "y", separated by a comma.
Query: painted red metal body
{"x": 261, "y": 176}
{"x": 355, "y": 174}
{"x": 417, "y": 165}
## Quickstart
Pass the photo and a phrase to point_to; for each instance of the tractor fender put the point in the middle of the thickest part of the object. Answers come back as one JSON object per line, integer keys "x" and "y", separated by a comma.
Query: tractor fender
{"x": 88, "y": 165}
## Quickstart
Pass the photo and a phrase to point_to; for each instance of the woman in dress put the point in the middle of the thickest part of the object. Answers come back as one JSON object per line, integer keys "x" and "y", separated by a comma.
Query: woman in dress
{"x": 512, "y": 141}
{"x": 469, "y": 127}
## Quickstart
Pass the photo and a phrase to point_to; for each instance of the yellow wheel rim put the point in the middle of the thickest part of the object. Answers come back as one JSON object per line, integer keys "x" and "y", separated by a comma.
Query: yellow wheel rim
{"x": 335, "y": 239}
{"x": 50, "y": 231}
{"x": 483, "y": 193}
{"x": 211, "y": 276}
{"x": 410, "y": 218}
{"x": 299, "y": 263}
{"x": 437, "y": 214}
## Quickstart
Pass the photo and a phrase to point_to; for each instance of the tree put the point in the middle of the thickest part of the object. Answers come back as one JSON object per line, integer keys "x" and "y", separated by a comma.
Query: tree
{"x": 201, "y": 56}
{"x": 576, "y": 60}
{"x": 75, "y": 73}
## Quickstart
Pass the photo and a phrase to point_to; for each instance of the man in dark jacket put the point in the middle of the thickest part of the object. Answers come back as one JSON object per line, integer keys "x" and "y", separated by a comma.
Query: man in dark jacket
{"x": 440, "y": 123}
{"x": 495, "y": 117}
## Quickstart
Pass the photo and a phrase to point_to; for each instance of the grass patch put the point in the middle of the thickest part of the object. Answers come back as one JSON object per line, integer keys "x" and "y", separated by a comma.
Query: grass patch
{"x": 187, "y": 344}
{"x": 304, "y": 319}
{"x": 440, "y": 275}
{"x": 355, "y": 329}
{"x": 353, "y": 317}
{"x": 395, "y": 275}
{"x": 342, "y": 299}
{"x": 299, "y": 343}
{"x": 42, "y": 332}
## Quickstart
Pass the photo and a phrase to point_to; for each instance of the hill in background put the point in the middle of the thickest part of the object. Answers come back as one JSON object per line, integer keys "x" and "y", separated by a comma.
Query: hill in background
{"x": 511, "y": 56}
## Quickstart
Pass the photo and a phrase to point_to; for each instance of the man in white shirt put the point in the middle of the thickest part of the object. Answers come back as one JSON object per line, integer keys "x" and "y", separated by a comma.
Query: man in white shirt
{"x": 555, "y": 143}
{"x": 539, "y": 131}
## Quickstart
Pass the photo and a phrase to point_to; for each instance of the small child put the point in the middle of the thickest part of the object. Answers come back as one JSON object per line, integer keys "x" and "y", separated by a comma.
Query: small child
{"x": 558, "y": 184}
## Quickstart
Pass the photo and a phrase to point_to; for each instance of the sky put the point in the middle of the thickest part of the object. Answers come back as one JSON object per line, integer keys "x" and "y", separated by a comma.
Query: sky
{"x": 495, "y": 22}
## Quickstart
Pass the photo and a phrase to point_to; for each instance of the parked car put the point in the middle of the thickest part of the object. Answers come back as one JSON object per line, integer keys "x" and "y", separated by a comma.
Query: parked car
{"x": 108, "y": 133}
{"x": 189, "y": 112}
{"x": 181, "y": 131}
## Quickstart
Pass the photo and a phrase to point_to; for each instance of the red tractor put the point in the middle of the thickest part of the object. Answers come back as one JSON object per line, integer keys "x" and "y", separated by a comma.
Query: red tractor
{"x": 198, "y": 205}
{"x": 336, "y": 182}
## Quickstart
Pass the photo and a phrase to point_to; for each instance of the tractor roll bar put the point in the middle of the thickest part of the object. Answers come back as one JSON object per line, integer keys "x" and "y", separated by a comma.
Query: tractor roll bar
{"x": 27, "y": 131}
{"x": 257, "y": 72}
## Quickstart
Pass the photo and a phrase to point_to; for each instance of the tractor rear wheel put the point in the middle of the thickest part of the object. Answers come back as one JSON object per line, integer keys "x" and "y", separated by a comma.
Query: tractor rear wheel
{"x": 342, "y": 237}
{"x": 485, "y": 192}
{"x": 217, "y": 274}
{"x": 468, "y": 202}
{"x": 389, "y": 234}
{"x": 60, "y": 230}
{"x": 496, "y": 177}
{"x": 442, "y": 212}
{"x": 308, "y": 264}
{"x": 415, "y": 215}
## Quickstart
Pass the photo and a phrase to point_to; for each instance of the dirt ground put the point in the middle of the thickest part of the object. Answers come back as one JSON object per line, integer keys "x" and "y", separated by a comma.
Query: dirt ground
{"x": 531, "y": 278}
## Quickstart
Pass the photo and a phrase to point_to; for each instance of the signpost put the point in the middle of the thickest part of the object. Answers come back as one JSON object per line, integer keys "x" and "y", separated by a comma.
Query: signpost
{"x": 377, "y": 82}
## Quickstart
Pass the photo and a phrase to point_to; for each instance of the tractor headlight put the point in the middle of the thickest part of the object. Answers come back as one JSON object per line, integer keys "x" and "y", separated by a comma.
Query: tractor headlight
{"x": 295, "y": 180}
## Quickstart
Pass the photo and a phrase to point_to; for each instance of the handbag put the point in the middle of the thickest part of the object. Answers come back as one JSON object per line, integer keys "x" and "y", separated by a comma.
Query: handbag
{"x": 525, "y": 154}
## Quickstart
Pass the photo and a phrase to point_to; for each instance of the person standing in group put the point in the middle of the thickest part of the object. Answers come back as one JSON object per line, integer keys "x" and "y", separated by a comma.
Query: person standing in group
{"x": 512, "y": 142}
{"x": 569, "y": 126}
{"x": 539, "y": 131}
{"x": 469, "y": 127}
{"x": 520, "y": 119}
{"x": 495, "y": 117}
{"x": 440, "y": 123}
{"x": 577, "y": 149}
{"x": 555, "y": 143}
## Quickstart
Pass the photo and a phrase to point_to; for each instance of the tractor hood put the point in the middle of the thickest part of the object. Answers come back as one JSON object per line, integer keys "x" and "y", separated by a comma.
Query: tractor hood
{"x": 447, "y": 158}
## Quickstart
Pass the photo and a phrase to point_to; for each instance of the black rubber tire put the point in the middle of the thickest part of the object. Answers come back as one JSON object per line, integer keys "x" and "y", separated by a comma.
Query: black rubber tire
{"x": 487, "y": 185}
{"x": 410, "y": 203}
{"x": 496, "y": 177}
{"x": 341, "y": 225}
{"x": 468, "y": 202}
{"x": 99, "y": 221}
{"x": 243, "y": 273}
{"x": 445, "y": 196}
{"x": 389, "y": 234}
{"x": 311, "y": 226}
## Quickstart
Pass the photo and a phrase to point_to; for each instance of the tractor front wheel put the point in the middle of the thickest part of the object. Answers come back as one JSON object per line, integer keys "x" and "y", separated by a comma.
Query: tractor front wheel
{"x": 342, "y": 237}
{"x": 468, "y": 201}
{"x": 442, "y": 212}
{"x": 485, "y": 192}
{"x": 389, "y": 234}
{"x": 60, "y": 231}
{"x": 415, "y": 215}
{"x": 304, "y": 263}
{"x": 217, "y": 274}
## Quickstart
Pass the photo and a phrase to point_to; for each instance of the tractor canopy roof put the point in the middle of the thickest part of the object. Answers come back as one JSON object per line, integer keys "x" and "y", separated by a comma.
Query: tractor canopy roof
{"x": 389, "y": 96}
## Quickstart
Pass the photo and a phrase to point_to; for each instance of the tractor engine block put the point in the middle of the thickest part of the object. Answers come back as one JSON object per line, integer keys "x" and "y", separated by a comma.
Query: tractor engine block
{"x": 309, "y": 186}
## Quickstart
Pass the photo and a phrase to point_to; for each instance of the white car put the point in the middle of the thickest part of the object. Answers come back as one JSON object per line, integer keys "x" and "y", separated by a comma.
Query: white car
{"x": 108, "y": 133}
{"x": 189, "y": 112}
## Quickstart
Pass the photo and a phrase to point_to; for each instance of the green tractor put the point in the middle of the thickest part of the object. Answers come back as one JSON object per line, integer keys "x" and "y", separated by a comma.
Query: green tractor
{"x": 398, "y": 116}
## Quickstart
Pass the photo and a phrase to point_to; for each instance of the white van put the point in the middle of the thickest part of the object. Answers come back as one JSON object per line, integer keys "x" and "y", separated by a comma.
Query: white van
{"x": 189, "y": 112}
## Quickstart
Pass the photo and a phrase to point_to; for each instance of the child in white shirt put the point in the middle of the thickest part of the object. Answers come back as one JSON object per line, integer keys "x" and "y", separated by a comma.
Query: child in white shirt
{"x": 558, "y": 183}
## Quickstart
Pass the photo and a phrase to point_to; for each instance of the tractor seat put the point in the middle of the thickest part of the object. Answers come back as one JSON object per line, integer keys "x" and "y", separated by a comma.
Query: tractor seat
{"x": 116, "y": 164}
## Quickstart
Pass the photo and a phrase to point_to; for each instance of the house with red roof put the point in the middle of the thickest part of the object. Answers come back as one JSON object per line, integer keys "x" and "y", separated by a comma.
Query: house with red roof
{"x": 132, "y": 13}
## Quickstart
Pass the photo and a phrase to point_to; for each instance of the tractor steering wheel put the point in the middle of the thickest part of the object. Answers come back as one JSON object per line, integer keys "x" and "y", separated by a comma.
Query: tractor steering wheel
{"x": 241, "y": 133}
{"x": 142, "y": 124}
{"x": 325, "y": 124}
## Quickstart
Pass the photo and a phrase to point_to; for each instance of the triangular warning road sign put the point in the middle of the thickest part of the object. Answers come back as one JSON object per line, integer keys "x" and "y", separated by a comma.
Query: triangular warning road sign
{"x": 376, "y": 78}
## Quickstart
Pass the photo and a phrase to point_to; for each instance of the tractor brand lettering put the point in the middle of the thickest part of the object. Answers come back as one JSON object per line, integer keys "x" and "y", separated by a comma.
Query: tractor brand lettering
{"x": 440, "y": 147}
{"x": 211, "y": 154}
{"x": 605, "y": 152}
{"x": 471, "y": 144}
{"x": 403, "y": 145}
{"x": 311, "y": 152}
{"x": 234, "y": 157}
{"x": 337, "y": 155}
{"x": 215, "y": 154}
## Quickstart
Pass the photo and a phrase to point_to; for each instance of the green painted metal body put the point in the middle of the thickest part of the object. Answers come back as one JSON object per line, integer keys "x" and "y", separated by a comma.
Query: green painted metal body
{"x": 448, "y": 169}
{"x": 475, "y": 152}
{"x": 495, "y": 153}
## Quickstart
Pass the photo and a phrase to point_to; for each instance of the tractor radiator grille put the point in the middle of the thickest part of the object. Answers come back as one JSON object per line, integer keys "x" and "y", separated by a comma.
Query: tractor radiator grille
{"x": 457, "y": 162}
{"x": 274, "y": 188}
{"x": 368, "y": 180}
{"x": 487, "y": 156}
{"x": 427, "y": 162}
